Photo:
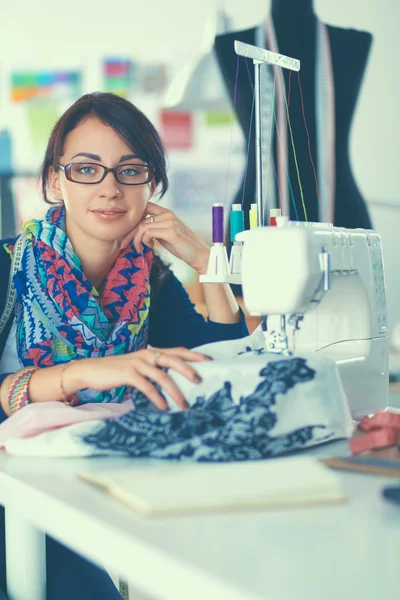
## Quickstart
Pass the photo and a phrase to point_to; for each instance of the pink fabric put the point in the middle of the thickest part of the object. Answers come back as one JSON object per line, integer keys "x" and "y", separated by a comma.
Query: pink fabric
{"x": 44, "y": 416}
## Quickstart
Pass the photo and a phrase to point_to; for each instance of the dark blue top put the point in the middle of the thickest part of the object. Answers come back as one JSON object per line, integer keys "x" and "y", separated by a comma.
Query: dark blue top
{"x": 173, "y": 320}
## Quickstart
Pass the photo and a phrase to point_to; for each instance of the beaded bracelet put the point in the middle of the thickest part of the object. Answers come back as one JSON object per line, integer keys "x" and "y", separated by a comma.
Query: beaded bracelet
{"x": 18, "y": 396}
{"x": 71, "y": 400}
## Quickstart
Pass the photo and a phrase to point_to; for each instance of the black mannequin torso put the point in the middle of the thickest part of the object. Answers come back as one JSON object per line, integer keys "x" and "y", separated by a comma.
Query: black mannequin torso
{"x": 296, "y": 28}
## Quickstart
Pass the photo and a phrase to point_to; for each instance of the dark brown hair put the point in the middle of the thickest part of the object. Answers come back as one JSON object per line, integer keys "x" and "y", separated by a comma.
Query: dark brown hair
{"x": 120, "y": 114}
{"x": 138, "y": 133}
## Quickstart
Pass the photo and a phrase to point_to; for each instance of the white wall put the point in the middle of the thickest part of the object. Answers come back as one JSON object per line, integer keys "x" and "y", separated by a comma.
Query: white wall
{"x": 77, "y": 32}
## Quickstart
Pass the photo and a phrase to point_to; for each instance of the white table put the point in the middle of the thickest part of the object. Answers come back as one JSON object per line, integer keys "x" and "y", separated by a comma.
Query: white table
{"x": 348, "y": 551}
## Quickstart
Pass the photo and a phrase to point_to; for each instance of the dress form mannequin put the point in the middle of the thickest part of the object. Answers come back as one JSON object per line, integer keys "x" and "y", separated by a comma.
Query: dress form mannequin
{"x": 295, "y": 26}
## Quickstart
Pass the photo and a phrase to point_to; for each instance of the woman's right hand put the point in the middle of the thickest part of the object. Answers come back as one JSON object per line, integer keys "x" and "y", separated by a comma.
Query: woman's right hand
{"x": 137, "y": 369}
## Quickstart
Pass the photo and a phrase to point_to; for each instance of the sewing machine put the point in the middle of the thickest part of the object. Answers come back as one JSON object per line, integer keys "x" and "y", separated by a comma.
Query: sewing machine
{"x": 319, "y": 288}
{"x": 322, "y": 289}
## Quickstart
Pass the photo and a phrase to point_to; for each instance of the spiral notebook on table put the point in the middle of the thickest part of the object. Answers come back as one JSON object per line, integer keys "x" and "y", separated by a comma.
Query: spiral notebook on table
{"x": 181, "y": 488}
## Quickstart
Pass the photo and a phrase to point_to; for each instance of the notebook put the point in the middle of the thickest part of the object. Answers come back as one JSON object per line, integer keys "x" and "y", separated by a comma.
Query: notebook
{"x": 181, "y": 488}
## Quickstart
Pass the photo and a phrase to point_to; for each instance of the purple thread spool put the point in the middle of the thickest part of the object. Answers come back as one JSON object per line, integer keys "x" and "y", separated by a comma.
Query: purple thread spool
{"x": 218, "y": 223}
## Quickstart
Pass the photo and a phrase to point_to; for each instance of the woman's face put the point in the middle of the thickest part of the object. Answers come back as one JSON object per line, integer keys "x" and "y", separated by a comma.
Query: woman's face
{"x": 87, "y": 205}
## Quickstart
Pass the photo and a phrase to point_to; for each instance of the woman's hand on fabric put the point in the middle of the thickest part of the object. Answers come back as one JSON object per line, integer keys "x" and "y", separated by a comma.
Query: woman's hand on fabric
{"x": 142, "y": 370}
{"x": 163, "y": 225}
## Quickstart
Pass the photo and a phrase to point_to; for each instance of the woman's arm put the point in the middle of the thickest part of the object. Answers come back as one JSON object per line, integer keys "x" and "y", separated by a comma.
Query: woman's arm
{"x": 3, "y": 414}
{"x": 136, "y": 369}
{"x": 221, "y": 303}
{"x": 174, "y": 321}
{"x": 172, "y": 233}
{"x": 45, "y": 385}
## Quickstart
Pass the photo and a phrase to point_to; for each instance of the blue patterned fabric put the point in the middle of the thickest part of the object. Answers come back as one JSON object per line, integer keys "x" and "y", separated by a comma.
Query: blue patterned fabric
{"x": 250, "y": 405}
{"x": 215, "y": 428}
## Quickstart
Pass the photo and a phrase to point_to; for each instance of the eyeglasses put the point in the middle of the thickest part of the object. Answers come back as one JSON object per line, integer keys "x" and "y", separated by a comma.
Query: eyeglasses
{"x": 90, "y": 173}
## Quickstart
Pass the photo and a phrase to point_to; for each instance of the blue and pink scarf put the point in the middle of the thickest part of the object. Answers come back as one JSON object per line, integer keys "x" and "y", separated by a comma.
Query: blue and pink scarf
{"x": 59, "y": 314}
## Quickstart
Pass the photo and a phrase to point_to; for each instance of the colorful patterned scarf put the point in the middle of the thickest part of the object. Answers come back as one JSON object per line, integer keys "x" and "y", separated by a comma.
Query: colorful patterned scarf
{"x": 59, "y": 313}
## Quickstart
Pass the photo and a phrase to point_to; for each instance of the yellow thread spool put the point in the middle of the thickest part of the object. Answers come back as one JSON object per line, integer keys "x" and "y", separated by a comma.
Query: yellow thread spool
{"x": 253, "y": 216}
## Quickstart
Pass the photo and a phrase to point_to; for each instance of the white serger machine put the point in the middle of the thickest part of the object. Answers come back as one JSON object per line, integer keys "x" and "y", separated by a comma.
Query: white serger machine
{"x": 322, "y": 289}
{"x": 319, "y": 288}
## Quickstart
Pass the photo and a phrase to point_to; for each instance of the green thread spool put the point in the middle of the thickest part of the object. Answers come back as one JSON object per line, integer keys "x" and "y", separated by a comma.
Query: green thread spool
{"x": 253, "y": 216}
{"x": 236, "y": 219}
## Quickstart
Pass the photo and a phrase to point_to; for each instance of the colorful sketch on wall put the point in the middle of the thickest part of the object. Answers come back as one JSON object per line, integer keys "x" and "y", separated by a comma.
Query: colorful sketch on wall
{"x": 177, "y": 129}
{"x": 119, "y": 76}
{"x": 27, "y": 86}
{"x": 41, "y": 118}
{"x": 219, "y": 118}
{"x": 123, "y": 76}
{"x": 154, "y": 78}
{"x": 193, "y": 191}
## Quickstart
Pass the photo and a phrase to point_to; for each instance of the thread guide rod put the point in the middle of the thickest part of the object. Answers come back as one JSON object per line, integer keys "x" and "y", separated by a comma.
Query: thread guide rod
{"x": 261, "y": 56}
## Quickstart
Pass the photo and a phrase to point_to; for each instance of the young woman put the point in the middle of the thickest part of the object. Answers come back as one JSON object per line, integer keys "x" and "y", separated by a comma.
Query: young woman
{"x": 91, "y": 296}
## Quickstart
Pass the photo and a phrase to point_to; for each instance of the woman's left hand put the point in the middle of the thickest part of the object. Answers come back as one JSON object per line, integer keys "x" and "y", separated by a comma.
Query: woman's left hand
{"x": 164, "y": 226}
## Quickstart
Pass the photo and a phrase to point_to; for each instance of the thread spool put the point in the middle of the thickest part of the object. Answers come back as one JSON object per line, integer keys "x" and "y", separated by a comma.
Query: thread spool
{"x": 273, "y": 213}
{"x": 218, "y": 266}
{"x": 236, "y": 219}
{"x": 218, "y": 223}
{"x": 253, "y": 216}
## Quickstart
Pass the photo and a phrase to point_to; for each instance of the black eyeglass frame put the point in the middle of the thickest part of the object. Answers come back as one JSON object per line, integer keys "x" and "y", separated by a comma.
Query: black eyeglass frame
{"x": 67, "y": 170}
